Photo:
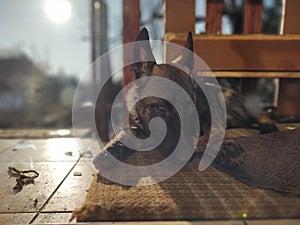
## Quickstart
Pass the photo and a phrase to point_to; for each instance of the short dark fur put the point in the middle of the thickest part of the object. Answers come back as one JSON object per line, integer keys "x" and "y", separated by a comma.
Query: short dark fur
{"x": 147, "y": 108}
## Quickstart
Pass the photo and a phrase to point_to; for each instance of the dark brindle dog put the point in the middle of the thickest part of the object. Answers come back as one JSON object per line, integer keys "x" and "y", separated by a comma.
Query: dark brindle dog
{"x": 150, "y": 107}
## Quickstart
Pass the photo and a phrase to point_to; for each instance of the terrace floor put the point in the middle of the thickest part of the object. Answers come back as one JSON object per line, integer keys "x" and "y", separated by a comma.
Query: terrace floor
{"x": 65, "y": 173}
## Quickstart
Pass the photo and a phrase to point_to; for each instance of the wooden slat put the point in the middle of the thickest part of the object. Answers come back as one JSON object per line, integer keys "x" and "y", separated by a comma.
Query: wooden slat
{"x": 179, "y": 16}
{"x": 252, "y": 16}
{"x": 131, "y": 23}
{"x": 214, "y": 12}
{"x": 245, "y": 52}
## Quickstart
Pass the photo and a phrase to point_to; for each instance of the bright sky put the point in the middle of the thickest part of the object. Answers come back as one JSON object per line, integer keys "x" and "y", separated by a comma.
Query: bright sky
{"x": 25, "y": 26}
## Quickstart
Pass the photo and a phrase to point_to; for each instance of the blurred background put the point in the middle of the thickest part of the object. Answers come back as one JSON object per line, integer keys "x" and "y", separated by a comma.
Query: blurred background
{"x": 47, "y": 45}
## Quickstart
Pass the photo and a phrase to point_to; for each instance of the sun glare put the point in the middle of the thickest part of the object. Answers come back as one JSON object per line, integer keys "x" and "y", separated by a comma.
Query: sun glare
{"x": 58, "y": 11}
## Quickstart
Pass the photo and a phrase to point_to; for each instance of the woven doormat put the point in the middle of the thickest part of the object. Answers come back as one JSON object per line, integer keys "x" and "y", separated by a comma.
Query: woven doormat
{"x": 211, "y": 194}
{"x": 271, "y": 161}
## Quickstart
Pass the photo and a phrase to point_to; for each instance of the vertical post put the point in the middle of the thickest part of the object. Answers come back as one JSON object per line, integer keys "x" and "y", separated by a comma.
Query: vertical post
{"x": 292, "y": 17}
{"x": 252, "y": 16}
{"x": 93, "y": 49}
{"x": 289, "y": 89}
{"x": 131, "y": 23}
{"x": 252, "y": 25}
{"x": 214, "y": 12}
{"x": 180, "y": 16}
{"x": 99, "y": 46}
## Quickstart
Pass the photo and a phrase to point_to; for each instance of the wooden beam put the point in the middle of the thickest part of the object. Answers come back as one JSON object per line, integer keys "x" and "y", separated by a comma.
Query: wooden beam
{"x": 214, "y": 12}
{"x": 180, "y": 15}
{"x": 245, "y": 52}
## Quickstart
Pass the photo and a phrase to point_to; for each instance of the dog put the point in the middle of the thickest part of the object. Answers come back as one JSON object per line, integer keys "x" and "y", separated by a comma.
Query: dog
{"x": 141, "y": 113}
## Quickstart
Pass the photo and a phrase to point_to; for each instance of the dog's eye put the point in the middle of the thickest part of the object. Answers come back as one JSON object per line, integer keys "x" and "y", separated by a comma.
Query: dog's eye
{"x": 162, "y": 108}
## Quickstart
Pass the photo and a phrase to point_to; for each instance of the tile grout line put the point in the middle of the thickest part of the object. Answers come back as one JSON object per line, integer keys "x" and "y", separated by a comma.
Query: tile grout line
{"x": 55, "y": 190}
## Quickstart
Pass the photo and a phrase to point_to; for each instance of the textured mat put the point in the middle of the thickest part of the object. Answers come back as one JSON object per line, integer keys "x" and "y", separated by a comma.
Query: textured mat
{"x": 211, "y": 194}
{"x": 271, "y": 161}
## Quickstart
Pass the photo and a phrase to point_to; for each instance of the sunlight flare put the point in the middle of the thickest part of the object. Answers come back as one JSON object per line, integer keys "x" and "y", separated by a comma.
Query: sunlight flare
{"x": 58, "y": 11}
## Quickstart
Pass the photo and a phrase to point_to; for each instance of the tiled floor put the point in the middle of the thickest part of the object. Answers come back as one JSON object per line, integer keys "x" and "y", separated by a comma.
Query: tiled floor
{"x": 64, "y": 177}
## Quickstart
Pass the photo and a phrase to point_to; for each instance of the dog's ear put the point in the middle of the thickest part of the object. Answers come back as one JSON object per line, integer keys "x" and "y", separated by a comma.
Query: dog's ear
{"x": 142, "y": 55}
{"x": 186, "y": 58}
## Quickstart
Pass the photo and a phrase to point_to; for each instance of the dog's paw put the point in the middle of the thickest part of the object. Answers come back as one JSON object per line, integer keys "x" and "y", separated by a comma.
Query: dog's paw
{"x": 268, "y": 128}
{"x": 110, "y": 156}
{"x": 266, "y": 125}
{"x": 231, "y": 155}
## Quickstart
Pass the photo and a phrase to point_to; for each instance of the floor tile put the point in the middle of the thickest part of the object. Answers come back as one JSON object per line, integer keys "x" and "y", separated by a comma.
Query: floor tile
{"x": 20, "y": 218}
{"x": 53, "y": 218}
{"x": 72, "y": 192}
{"x": 36, "y": 133}
{"x": 32, "y": 196}
{"x": 42, "y": 150}
{"x": 8, "y": 143}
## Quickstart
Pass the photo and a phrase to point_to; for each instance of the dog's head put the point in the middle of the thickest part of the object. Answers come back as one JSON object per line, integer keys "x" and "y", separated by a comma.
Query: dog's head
{"x": 147, "y": 108}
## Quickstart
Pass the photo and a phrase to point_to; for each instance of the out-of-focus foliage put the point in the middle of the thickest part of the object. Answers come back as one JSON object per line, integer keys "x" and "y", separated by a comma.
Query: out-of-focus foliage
{"x": 29, "y": 98}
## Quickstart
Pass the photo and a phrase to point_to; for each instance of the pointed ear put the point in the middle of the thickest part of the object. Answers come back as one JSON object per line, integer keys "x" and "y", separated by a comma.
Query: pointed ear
{"x": 142, "y": 55}
{"x": 186, "y": 58}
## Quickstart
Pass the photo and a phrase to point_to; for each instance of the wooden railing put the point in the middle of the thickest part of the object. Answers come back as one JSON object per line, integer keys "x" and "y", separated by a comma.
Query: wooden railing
{"x": 249, "y": 55}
